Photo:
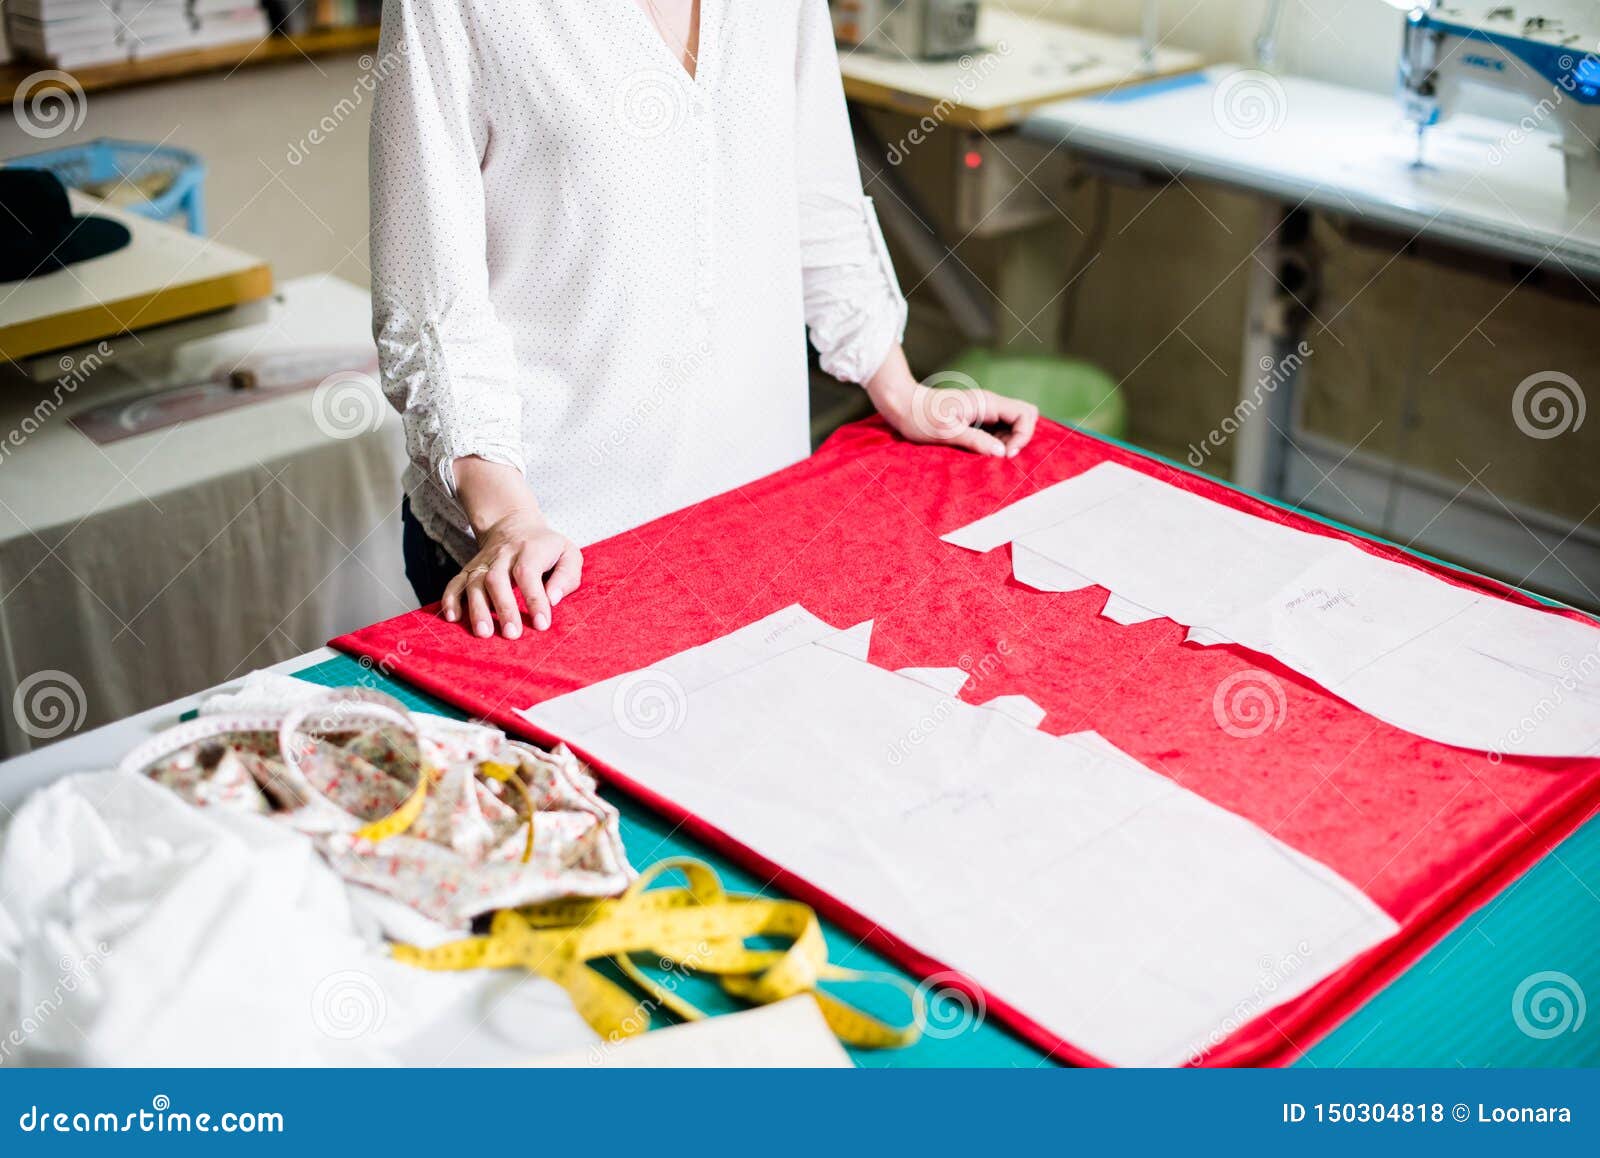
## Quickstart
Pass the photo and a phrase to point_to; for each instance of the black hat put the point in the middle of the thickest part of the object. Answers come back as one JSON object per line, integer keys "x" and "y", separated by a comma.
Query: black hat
{"x": 39, "y": 234}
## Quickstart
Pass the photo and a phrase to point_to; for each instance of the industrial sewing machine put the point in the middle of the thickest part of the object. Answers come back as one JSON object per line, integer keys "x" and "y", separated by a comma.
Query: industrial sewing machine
{"x": 917, "y": 29}
{"x": 1546, "y": 50}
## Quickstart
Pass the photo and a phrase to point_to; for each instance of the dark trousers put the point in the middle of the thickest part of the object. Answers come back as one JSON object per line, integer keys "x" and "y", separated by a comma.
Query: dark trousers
{"x": 429, "y": 566}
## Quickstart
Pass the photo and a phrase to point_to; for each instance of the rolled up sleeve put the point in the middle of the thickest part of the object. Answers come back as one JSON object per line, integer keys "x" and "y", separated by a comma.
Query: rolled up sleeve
{"x": 853, "y": 304}
{"x": 445, "y": 360}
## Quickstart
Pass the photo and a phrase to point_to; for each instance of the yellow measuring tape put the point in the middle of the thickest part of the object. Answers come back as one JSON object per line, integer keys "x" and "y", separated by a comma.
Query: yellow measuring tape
{"x": 403, "y": 817}
{"x": 696, "y": 928}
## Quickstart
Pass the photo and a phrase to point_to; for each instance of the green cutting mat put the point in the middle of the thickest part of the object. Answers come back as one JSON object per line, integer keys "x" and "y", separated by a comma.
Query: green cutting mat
{"x": 1452, "y": 1008}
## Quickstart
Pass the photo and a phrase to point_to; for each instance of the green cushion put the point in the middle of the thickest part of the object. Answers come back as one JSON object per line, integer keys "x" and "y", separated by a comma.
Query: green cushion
{"x": 1070, "y": 392}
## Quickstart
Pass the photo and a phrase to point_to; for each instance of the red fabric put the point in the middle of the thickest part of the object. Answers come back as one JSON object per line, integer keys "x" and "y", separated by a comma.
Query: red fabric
{"x": 1428, "y": 831}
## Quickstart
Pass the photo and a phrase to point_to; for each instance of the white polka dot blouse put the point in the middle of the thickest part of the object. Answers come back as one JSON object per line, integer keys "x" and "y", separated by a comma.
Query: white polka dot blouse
{"x": 600, "y": 269}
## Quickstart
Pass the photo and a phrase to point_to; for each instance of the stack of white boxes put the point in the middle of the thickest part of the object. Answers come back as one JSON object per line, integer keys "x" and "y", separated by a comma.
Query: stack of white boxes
{"x": 81, "y": 33}
{"x": 66, "y": 33}
{"x": 155, "y": 28}
{"x": 227, "y": 22}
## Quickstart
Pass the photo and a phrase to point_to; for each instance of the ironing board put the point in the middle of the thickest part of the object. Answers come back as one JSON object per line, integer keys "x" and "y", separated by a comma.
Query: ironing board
{"x": 1452, "y": 1008}
{"x": 819, "y": 531}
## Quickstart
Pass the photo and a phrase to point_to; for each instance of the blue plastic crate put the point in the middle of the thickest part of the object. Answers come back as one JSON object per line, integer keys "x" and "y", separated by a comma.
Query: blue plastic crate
{"x": 105, "y": 159}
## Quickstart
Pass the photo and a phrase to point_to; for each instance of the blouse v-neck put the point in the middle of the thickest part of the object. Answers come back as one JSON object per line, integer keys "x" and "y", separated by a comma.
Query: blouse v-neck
{"x": 690, "y": 68}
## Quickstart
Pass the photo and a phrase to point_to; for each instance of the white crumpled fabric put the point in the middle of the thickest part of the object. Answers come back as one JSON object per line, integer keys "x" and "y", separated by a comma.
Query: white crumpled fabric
{"x": 172, "y": 912}
{"x": 136, "y": 930}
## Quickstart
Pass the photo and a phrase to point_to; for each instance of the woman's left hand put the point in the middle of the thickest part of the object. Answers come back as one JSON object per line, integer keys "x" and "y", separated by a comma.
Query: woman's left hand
{"x": 950, "y": 416}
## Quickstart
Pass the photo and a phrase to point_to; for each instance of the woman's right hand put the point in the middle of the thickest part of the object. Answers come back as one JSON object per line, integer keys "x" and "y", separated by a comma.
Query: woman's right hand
{"x": 517, "y": 550}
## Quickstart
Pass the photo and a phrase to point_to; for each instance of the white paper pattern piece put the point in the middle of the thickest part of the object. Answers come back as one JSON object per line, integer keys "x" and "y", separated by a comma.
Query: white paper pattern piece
{"x": 1040, "y": 511}
{"x": 1020, "y": 708}
{"x": 856, "y": 641}
{"x": 1402, "y": 645}
{"x": 1044, "y": 574}
{"x": 949, "y": 680}
{"x": 1119, "y": 610}
{"x": 1128, "y": 915}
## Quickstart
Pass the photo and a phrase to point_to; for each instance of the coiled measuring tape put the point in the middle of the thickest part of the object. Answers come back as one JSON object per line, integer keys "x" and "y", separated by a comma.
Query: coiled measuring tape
{"x": 402, "y": 818}
{"x": 696, "y": 928}
{"x": 340, "y": 710}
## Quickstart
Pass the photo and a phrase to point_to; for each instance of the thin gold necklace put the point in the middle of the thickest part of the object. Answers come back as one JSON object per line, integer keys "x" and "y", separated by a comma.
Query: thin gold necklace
{"x": 683, "y": 47}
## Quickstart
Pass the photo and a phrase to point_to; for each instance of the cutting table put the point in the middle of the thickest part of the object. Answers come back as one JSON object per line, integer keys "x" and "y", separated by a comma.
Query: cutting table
{"x": 1339, "y": 150}
{"x": 1453, "y": 1007}
{"x": 1021, "y": 64}
{"x": 95, "y": 536}
{"x": 163, "y": 277}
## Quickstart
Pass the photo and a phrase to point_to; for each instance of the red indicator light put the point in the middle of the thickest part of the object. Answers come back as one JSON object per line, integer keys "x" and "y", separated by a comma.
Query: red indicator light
{"x": 974, "y": 159}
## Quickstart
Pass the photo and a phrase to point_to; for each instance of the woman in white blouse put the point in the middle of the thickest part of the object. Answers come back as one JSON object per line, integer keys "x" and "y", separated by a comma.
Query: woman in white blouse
{"x": 600, "y": 229}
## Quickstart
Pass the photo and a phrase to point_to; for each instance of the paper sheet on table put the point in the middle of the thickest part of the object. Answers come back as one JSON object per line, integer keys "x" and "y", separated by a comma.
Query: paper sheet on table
{"x": 1128, "y": 915}
{"x": 786, "y": 1035}
{"x": 1400, "y": 644}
